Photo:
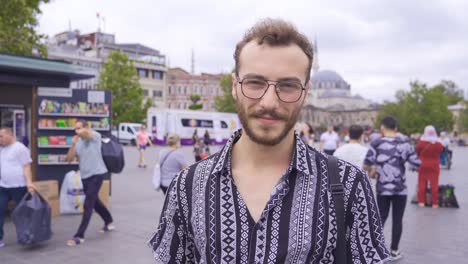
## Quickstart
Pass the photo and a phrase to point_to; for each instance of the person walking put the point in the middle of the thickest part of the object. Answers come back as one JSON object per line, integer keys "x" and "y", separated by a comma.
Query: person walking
{"x": 200, "y": 150}
{"x": 195, "y": 136}
{"x": 429, "y": 149}
{"x": 388, "y": 155}
{"x": 143, "y": 141}
{"x": 171, "y": 161}
{"x": 353, "y": 152}
{"x": 264, "y": 197}
{"x": 329, "y": 141}
{"x": 15, "y": 173}
{"x": 86, "y": 144}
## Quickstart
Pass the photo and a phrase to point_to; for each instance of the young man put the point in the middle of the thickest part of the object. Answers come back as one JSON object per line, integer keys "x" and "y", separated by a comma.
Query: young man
{"x": 264, "y": 197}
{"x": 353, "y": 152}
{"x": 15, "y": 173}
{"x": 86, "y": 144}
{"x": 329, "y": 141}
{"x": 388, "y": 156}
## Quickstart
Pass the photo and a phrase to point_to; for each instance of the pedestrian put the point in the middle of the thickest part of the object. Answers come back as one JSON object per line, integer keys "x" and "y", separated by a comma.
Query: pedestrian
{"x": 353, "y": 152}
{"x": 446, "y": 155}
{"x": 329, "y": 141}
{"x": 429, "y": 149}
{"x": 207, "y": 141}
{"x": 86, "y": 144}
{"x": 143, "y": 140}
{"x": 199, "y": 149}
{"x": 171, "y": 161}
{"x": 195, "y": 136}
{"x": 15, "y": 173}
{"x": 388, "y": 155}
{"x": 264, "y": 197}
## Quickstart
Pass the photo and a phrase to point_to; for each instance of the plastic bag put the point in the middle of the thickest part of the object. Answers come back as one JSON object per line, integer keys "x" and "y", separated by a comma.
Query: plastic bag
{"x": 32, "y": 218}
{"x": 157, "y": 177}
{"x": 72, "y": 194}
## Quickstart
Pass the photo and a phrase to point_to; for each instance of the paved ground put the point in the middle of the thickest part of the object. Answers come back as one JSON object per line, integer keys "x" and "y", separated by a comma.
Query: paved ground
{"x": 430, "y": 236}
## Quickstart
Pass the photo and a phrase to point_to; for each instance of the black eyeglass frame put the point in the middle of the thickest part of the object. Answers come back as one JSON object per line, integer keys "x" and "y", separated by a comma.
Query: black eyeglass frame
{"x": 270, "y": 82}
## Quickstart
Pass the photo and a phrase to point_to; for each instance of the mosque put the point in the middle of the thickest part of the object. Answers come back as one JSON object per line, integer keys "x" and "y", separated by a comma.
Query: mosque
{"x": 330, "y": 101}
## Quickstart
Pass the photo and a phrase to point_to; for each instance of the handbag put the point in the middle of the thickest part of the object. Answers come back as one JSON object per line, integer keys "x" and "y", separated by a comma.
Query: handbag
{"x": 157, "y": 172}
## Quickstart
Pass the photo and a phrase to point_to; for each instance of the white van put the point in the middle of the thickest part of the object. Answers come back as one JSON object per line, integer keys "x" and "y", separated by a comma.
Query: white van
{"x": 220, "y": 126}
{"x": 127, "y": 132}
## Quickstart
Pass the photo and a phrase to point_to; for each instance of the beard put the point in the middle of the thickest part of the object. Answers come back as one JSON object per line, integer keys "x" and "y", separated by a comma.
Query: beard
{"x": 267, "y": 136}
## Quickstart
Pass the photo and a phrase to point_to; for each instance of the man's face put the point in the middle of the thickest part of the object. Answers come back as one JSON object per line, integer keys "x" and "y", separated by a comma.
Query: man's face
{"x": 5, "y": 138}
{"x": 267, "y": 121}
{"x": 330, "y": 129}
{"x": 78, "y": 127}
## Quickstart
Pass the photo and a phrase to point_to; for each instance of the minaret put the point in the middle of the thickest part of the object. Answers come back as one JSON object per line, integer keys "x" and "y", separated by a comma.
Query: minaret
{"x": 315, "y": 63}
{"x": 193, "y": 62}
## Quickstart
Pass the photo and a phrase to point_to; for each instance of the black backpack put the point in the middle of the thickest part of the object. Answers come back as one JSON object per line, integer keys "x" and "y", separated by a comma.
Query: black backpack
{"x": 112, "y": 154}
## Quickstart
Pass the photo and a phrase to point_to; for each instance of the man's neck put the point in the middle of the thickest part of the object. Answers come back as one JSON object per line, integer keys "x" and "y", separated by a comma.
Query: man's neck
{"x": 354, "y": 141}
{"x": 261, "y": 155}
{"x": 390, "y": 133}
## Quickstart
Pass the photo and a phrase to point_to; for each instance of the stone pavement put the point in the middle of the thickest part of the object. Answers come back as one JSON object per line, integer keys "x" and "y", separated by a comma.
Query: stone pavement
{"x": 429, "y": 236}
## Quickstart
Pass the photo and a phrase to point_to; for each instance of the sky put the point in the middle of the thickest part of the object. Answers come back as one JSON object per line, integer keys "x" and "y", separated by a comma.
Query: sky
{"x": 378, "y": 47}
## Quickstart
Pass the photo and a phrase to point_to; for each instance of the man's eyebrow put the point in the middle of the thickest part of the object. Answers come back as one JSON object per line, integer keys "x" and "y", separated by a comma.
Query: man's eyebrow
{"x": 258, "y": 76}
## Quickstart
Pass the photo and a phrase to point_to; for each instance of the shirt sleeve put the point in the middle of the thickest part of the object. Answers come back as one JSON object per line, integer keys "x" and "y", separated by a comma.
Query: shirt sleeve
{"x": 24, "y": 155}
{"x": 371, "y": 157}
{"x": 181, "y": 160}
{"x": 411, "y": 156}
{"x": 96, "y": 136}
{"x": 169, "y": 243}
{"x": 365, "y": 239}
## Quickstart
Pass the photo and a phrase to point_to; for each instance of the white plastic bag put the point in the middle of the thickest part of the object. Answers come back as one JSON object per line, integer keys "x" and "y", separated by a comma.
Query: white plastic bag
{"x": 157, "y": 177}
{"x": 72, "y": 194}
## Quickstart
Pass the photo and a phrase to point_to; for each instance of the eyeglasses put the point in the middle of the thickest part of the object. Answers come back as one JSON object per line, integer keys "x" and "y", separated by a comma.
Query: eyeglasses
{"x": 287, "y": 91}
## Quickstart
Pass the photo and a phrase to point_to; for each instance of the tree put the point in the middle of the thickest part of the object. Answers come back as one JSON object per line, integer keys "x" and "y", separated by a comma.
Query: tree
{"x": 453, "y": 92}
{"x": 463, "y": 120}
{"x": 419, "y": 107}
{"x": 18, "y": 22}
{"x": 226, "y": 102}
{"x": 120, "y": 76}
{"x": 195, "y": 98}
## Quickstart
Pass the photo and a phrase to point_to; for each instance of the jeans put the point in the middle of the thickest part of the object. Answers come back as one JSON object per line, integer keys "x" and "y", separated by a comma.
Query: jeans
{"x": 398, "y": 203}
{"x": 6, "y": 195}
{"x": 91, "y": 188}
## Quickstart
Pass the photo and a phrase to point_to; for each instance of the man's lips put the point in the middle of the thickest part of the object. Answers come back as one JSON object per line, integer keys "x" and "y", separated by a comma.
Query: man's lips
{"x": 267, "y": 120}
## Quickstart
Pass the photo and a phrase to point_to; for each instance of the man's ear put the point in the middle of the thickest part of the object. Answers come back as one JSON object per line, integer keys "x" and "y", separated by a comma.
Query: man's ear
{"x": 234, "y": 85}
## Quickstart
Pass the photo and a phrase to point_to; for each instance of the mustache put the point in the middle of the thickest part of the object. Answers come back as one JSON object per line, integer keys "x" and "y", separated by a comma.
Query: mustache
{"x": 271, "y": 113}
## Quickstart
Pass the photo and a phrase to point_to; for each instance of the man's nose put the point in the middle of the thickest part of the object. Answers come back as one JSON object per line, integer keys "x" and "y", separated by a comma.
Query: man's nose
{"x": 270, "y": 99}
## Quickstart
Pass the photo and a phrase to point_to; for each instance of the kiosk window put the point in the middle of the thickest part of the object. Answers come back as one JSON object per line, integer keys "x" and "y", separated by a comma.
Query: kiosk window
{"x": 187, "y": 122}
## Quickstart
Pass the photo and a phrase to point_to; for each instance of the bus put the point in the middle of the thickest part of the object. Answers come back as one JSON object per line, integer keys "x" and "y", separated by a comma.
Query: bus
{"x": 219, "y": 125}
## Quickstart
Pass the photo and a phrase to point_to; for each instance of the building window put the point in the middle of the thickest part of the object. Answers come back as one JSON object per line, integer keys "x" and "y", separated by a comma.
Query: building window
{"x": 142, "y": 73}
{"x": 158, "y": 75}
{"x": 157, "y": 93}
{"x": 145, "y": 92}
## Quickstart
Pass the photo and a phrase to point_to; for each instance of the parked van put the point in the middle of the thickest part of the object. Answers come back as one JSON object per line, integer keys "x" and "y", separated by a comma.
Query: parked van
{"x": 127, "y": 132}
{"x": 184, "y": 122}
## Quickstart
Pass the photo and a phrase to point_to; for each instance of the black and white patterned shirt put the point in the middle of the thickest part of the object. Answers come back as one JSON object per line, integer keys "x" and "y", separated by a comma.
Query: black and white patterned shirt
{"x": 205, "y": 220}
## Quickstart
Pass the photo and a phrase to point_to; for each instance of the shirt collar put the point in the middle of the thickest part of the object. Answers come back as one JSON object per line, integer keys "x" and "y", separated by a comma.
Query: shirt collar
{"x": 299, "y": 161}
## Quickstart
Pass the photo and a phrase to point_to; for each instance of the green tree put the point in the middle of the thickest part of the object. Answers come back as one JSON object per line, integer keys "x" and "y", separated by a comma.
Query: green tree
{"x": 419, "y": 107}
{"x": 226, "y": 102}
{"x": 195, "y": 98}
{"x": 120, "y": 76}
{"x": 18, "y": 23}
{"x": 453, "y": 92}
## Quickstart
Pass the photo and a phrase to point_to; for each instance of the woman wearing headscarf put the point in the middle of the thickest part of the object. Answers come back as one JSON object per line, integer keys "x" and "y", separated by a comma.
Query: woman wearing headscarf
{"x": 429, "y": 149}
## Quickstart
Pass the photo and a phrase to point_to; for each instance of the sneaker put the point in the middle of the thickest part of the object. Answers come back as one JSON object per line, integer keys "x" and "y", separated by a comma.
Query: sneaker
{"x": 2, "y": 244}
{"x": 396, "y": 254}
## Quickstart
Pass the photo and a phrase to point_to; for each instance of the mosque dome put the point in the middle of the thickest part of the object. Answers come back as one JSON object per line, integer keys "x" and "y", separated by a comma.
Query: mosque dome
{"x": 328, "y": 80}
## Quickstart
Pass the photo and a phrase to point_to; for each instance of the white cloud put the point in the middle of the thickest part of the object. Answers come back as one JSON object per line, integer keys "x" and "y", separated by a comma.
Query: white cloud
{"x": 377, "y": 46}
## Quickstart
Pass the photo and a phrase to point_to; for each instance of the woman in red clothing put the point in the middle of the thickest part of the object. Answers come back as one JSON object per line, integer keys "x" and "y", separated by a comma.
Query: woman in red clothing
{"x": 429, "y": 149}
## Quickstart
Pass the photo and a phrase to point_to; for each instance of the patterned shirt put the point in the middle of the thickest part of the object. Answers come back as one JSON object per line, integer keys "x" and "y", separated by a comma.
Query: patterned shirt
{"x": 389, "y": 156}
{"x": 205, "y": 220}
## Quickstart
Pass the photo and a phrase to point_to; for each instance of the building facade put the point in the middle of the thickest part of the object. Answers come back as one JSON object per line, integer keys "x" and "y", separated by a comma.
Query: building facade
{"x": 91, "y": 50}
{"x": 181, "y": 85}
{"x": 330, "y": 101}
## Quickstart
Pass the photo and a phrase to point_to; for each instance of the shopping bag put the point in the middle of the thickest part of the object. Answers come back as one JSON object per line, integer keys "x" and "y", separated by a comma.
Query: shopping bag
{"x": 32, "y": 219}
{"x": 72, "y": 194}
{"x": 157, "y": 177}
